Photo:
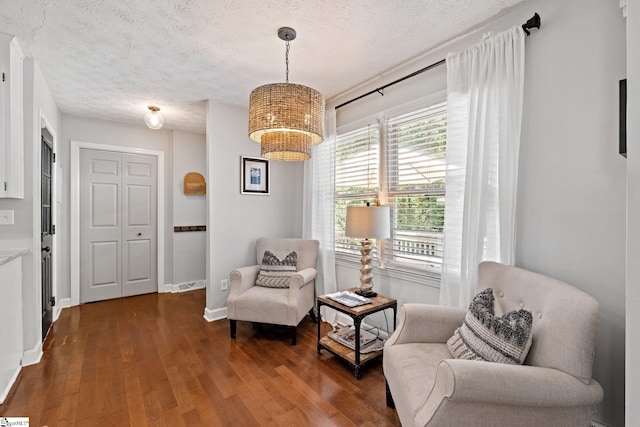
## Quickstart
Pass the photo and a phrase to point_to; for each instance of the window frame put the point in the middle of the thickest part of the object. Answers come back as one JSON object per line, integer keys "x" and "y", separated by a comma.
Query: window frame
{"x": 389, "y": 267}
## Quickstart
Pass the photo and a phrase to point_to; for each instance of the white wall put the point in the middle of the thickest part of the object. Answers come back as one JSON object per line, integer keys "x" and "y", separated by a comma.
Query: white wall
{"x": 25, "y": 233}
{"x": 633, "y": 214}
{"x": 234, "y": 221}
{"x": 189, "y": 151}
{"x": 111, "y": 133}
{"x": 571, "y": 205}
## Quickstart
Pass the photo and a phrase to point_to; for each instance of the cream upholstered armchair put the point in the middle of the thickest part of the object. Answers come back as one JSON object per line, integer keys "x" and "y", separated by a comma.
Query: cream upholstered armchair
{"x": 552, "y": 388}
{"x": 280, "y": 289}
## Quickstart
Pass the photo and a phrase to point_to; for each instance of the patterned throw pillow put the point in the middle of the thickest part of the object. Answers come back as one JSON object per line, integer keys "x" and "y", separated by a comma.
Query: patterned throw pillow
{"x": 484, "y": 336}
{"x": 275, "y": 273}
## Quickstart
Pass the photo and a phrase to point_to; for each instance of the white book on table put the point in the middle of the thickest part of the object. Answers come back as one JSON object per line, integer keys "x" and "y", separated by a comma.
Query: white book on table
{"x": 350, "y": 299}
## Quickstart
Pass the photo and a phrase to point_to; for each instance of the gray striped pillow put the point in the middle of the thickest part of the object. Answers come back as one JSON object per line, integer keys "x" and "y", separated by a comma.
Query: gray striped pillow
{"x": 275, "y": 272}
{"x": 484, "y": 336}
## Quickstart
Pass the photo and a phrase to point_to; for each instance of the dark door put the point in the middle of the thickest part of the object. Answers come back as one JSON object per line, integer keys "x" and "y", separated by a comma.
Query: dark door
{"x": 46, "y": 231}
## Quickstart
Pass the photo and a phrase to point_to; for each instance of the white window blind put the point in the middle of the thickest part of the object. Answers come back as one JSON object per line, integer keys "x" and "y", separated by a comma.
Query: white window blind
{"x": 413, "y": 171}
{"x": 416, "y": 162}
{"x": 357, "y": 178}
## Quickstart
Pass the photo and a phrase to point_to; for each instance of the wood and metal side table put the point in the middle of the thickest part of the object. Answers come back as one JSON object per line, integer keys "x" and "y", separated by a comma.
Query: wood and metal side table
{"x": 353, "y": 357}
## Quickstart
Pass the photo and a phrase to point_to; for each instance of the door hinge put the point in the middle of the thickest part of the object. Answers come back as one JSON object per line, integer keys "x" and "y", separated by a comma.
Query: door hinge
{"x": 5, "y": 186}
{"x": 2, "y": 76}
{"x": 53, "y": 229}
{"x": 53, "y": 301}
{"x": 54, "y": 157}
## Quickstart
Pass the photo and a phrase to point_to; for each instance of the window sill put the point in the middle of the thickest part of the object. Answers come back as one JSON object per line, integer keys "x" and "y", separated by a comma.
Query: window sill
{"x": 418, "y": 277}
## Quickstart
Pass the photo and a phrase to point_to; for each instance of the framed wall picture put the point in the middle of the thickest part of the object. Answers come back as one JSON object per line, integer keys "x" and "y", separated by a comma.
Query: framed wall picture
{"x": 254, "y": 177}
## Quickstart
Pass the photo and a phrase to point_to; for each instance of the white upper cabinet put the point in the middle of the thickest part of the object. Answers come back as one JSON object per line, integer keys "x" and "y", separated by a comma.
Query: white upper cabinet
{"x": 11, "y": 119}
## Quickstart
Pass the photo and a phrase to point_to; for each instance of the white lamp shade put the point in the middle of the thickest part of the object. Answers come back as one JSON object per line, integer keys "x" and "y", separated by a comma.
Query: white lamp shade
{"x": 368, "y": 222}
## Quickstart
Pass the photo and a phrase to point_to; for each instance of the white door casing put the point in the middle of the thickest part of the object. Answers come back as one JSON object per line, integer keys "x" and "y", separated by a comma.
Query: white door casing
{"x": 135, "y": 274}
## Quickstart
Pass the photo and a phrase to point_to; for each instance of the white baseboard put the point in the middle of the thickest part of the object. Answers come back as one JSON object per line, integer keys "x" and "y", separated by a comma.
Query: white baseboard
{"x": 213, "y": 315}
{"x": 183, "y": 287}
{"x": 33, "y": 356}
{"x": 63, "y": 303}
{"x": 188, "y": 286}
{"x": 7, "y": 389}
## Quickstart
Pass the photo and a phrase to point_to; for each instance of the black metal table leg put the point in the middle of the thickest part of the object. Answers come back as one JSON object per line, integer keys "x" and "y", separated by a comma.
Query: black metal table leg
{"x": 319, "y": 321}
{"x": 395, "y": 317}
{"x": 357, "y": 321}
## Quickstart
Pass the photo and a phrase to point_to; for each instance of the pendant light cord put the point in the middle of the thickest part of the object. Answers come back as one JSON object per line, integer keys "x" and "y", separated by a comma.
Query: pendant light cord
{"x": 286, "y": 60}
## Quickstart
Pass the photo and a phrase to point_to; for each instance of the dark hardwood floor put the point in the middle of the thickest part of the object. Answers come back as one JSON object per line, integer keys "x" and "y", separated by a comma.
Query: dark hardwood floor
{"x": 153, "y": 360}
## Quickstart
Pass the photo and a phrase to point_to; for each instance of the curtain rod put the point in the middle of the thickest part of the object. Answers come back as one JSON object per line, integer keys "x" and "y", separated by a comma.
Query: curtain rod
{"x": 533, "y": 22}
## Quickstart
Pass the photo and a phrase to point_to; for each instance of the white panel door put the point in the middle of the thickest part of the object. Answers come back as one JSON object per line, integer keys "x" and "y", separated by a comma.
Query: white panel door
{"x": 139, "y": 261}
{"x": 118, "y": 205}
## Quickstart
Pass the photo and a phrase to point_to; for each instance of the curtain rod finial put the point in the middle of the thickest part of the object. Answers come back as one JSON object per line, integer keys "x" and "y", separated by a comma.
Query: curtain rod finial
{"x": 534, "y": 22}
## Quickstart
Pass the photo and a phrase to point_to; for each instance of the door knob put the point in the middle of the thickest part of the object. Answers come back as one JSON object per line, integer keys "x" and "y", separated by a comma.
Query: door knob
{"x": 47, "y": 249}
{"x": 139, "y": 234}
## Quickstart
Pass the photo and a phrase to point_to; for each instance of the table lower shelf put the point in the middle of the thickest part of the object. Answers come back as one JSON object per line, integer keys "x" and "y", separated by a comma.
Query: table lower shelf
{"x": 345, "y": 352}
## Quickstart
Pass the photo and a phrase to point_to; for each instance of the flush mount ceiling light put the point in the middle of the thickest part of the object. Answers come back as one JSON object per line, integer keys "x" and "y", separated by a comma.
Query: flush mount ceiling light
{"x": 153, "y": 119}
{"x": 286, "y": 119}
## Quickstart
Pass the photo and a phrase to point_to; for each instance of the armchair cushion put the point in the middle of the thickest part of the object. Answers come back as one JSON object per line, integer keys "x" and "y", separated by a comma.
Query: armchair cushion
{"x": 264, "y": 305}
{"x": 412, "y": 368}
{"x": 486, "y": 337}
{"x": 275, "y": 272}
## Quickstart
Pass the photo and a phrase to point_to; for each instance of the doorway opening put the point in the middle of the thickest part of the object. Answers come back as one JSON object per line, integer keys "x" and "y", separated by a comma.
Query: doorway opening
{"x": 47, "y": 229}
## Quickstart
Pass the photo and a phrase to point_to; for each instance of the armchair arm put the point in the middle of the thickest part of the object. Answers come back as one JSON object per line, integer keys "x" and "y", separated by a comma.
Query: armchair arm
{"x": 426, "y": 323}
{"x": 243, "y": 278}
{"x": 302, "y": 277}
{"x": 502, "y": 384}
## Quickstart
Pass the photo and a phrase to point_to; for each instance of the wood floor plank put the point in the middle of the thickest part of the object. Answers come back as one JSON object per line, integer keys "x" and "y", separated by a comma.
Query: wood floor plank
{"x": 309, "y": 392}
{"x": 152, "y": 360}
{"x": 153, "y": 409}
{"x": 255, "y": 390}
{"x": 176, "y": 380}
{"x": 304, "y": 409}
{"x": 262, "y": 408}
{"x": 134, "y": 396}
{"x": 340, "y": 420}
{"x": 209, "y": 417}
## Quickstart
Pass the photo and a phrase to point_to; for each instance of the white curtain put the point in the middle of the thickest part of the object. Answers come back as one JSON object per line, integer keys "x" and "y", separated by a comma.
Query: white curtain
{"x": 484, "y": 96}
{"x": 319, "y": 209}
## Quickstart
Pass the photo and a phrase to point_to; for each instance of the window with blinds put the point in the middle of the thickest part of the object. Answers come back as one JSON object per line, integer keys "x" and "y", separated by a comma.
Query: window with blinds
{"x": 416, "y": 162}
{"x": 413, "y": 174}
{"x": 357, "y": 178}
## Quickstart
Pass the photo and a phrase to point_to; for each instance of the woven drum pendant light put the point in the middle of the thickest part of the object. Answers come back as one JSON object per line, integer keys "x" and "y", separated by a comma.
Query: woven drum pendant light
{"x": 286, "y": 119}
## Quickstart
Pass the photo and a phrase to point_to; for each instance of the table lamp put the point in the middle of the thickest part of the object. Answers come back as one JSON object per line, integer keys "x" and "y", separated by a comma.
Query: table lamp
{"x": 367, "y": 222}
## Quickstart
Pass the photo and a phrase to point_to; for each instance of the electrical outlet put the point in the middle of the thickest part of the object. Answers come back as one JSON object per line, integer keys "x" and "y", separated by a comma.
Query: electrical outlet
{"x": 224, "y": 284}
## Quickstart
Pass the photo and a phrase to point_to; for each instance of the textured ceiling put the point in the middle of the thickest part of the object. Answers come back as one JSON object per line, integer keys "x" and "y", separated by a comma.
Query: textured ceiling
{"x": 111, "y": 58}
